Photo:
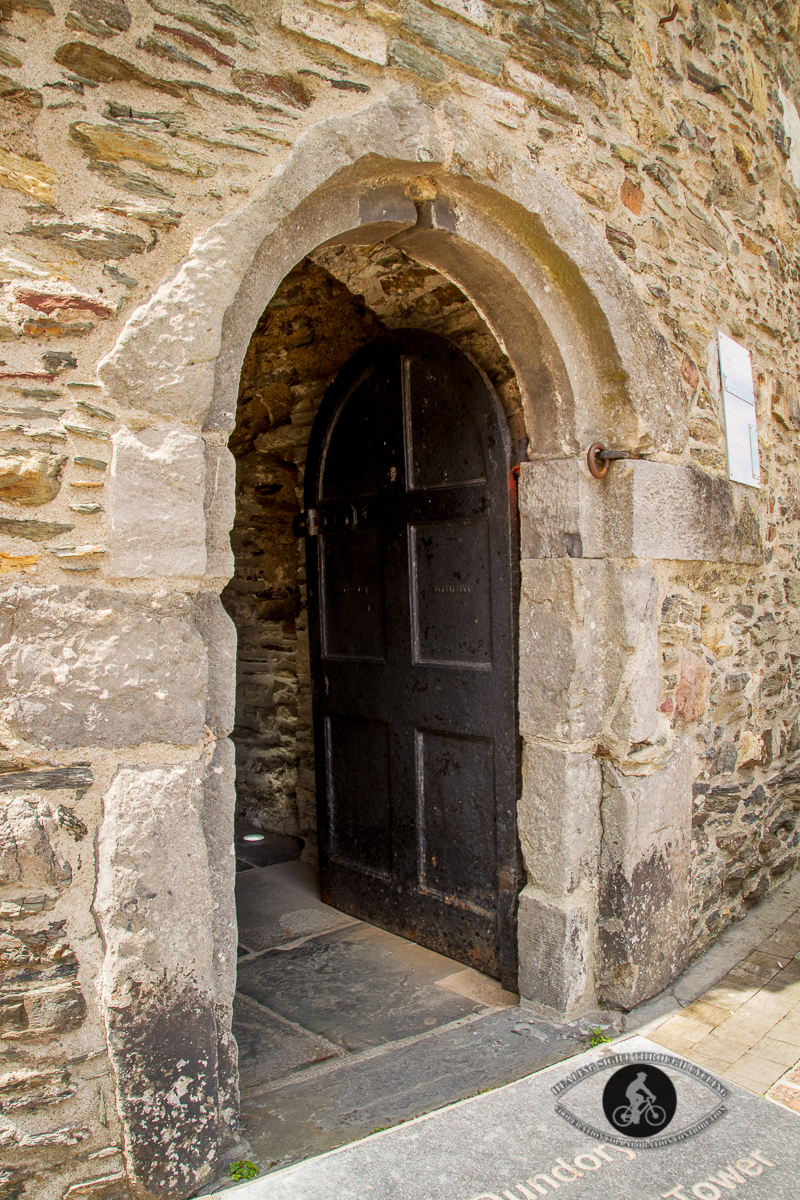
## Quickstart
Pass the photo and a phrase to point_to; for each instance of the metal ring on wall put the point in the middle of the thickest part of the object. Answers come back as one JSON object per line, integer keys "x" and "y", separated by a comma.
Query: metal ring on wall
{"x": 597, "y": 467}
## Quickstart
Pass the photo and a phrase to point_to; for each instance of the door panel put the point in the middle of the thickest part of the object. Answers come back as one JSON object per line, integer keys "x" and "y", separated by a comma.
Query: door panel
{"x": 359, "y": 793}
{"x": 458, "y": 835}
{"x": 412, "y": 601}
{"x": 443, "y": 445}
{"x": 351, "y": 595}
{"x": 451, "y": 595}
{"x": 352, "y": 455}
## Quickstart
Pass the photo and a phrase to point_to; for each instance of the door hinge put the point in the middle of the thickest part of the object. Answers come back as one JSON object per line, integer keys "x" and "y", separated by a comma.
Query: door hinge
{"x": 307, "y": 523}
{"x": 337, "y": 518}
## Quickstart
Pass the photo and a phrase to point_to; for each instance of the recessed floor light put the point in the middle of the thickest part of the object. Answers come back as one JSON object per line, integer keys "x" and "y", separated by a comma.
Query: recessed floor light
{"x": 253, "y": 837}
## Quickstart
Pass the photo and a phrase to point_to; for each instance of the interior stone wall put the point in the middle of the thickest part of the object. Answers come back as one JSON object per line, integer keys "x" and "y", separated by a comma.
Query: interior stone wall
{"x": 308, "y": 331}
{"x": 335, "y": 301}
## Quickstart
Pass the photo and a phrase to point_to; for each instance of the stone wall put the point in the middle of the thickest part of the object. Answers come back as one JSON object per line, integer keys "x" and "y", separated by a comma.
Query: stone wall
{"x": 147, "y": 147}
{"x": 58, "y": 1115}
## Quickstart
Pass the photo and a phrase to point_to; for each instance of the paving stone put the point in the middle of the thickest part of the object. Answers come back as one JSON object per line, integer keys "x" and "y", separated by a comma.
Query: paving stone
{"x": 788, "y": 1030}
{"x": 754, "y": 1072}
{"x": 729, "y": 993}
{"x": 358, "y": 986}
{"x": 673, "y": 1041}
{"x": 746, "y": 1025}
{"x": 270, "y": 1048}
{"x": 280, "y": 905}
{"x": 486, "y": 1147}
{"x": 786, "y": 1094}
{"x": 786, "y": 982}
{"x": 687, "y": 1029}
{"x": 784, "y": 941}
{"x": 353, "y": 1099}
{"x": 793, "y": 1076}
{"x": 715, "y": 1014}
{"x": 710, "y": 1061}
{"x": 776, "y": 1004}
{"x": 720, "y": 1046}
{"x": 777, "y": 1052}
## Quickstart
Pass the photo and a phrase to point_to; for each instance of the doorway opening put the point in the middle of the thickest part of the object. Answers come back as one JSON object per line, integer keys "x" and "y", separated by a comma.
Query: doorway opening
{"x": 320, "y": 988}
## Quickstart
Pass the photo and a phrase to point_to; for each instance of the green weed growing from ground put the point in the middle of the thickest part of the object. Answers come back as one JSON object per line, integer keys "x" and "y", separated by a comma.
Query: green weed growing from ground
{"x": 243, "y": 1170}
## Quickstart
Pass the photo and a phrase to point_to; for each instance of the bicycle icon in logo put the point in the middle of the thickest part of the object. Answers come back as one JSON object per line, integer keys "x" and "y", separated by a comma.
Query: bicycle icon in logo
{"x": 639, "y": 1100}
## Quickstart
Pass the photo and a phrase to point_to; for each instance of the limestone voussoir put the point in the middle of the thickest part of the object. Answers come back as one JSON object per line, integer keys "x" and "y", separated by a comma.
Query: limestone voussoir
{"x": 164, "y": 360}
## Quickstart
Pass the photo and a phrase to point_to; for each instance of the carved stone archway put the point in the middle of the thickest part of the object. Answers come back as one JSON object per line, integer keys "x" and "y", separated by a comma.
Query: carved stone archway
{"x": 604, "y": 914}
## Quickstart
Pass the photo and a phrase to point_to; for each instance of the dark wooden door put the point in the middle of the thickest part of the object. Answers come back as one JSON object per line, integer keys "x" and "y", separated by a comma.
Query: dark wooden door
{"x": 412, "y": 624}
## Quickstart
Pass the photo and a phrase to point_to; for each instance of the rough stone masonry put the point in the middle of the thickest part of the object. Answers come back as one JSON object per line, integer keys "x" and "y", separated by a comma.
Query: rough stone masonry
{"x": 206, "y": 208}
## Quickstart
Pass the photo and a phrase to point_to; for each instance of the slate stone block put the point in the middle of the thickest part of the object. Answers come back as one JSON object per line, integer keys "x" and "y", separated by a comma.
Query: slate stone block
{"x": 466, "y": 45}
{"x": 357, "y": 987}
{"x": 403, "y": 54}
{"x": 350, "y": 1100}
{"x": 30, "y": 477}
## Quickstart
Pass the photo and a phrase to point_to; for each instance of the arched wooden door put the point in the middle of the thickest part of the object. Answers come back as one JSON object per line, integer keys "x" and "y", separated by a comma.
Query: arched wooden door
{"x": 411, "y": 533}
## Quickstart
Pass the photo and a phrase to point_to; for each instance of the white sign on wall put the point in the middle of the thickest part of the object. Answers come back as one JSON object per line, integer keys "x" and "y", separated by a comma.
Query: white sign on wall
{"x": 739, "y": 402}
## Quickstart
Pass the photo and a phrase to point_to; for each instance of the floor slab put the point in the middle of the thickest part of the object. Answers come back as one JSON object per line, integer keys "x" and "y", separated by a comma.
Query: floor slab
{"x": 279, "y": 905}
{"x": 270, "y": 1048}
{"x": 359, "y": 1095}
{"x": 358, "y": 987}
